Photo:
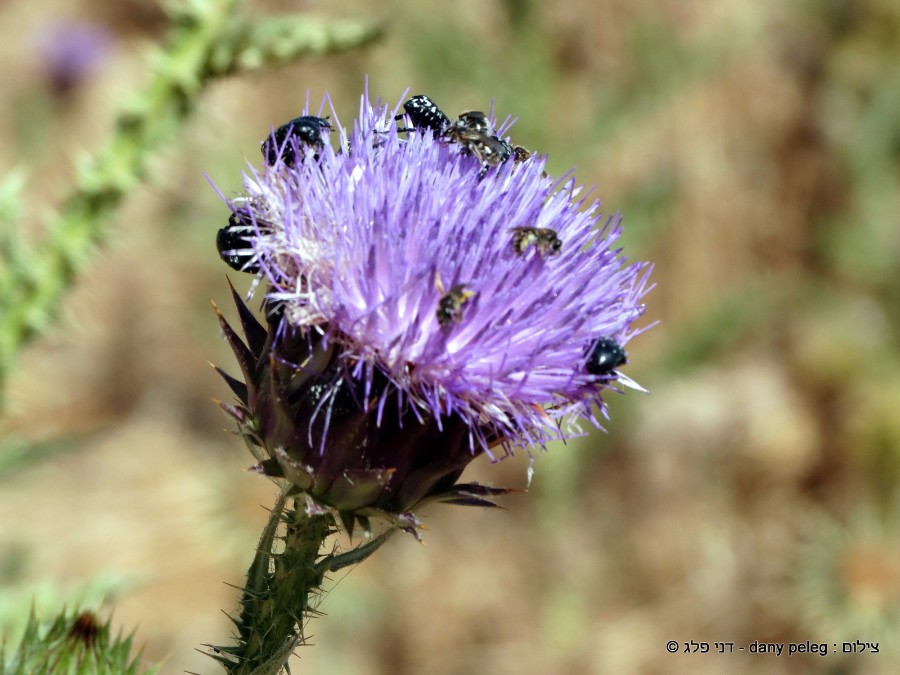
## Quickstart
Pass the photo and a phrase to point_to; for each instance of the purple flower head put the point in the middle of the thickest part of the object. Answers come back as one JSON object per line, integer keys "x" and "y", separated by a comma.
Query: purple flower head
{"x": 71, "y": 52}
{"x": 457, "y": 288}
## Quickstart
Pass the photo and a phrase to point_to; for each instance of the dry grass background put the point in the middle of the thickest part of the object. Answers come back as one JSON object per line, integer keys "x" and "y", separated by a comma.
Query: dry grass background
{"x": 754, "y": 147}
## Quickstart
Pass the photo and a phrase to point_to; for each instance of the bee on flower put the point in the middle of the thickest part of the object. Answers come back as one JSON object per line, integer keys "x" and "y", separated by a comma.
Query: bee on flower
{"x": 372, "y": 387}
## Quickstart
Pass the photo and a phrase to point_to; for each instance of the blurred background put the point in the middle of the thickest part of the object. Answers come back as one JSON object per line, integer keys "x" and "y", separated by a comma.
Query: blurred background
{"x": 754, "y": 148}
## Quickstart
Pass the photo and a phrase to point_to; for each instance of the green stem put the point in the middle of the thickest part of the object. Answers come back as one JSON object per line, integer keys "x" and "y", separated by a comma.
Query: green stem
{"x": 283, "y": 583}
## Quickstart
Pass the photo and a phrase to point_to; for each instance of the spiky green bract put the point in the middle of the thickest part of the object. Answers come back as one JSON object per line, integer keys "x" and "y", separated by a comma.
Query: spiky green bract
{"x": 74, "y": 643}
{"x": 283, "y": 586}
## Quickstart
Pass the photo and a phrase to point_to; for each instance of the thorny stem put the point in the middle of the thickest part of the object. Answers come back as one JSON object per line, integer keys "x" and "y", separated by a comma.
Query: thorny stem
{"x": 207, "y": 41}
{"x": 283, "y": 584}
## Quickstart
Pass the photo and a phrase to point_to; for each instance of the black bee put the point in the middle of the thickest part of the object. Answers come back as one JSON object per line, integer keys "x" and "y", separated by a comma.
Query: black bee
{"x": 605, "y": 356}
{"x": 451, "y": 303}
{"x": 543, "y": 239}
{"x": 273, "y": 310}
{"x": 234, "y": 247}
{"x": 307, "y": 129}
{"x": 424, "y": 114}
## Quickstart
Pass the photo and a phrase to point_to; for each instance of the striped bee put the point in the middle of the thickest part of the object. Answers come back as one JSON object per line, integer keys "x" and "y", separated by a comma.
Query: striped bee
{"x": 544, "y": 240}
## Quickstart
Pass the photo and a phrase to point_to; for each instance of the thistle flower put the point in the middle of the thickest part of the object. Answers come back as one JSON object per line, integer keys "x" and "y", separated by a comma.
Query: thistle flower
{"x": 430, "y": 295}
{"x": 845, "y": 582}
{"x": 71, "y": 52}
